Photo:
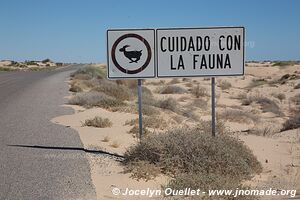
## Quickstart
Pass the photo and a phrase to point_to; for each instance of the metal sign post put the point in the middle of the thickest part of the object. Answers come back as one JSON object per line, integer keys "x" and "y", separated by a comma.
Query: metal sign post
{"x": 213, "y": 107}
{"x": 140, "y": 108}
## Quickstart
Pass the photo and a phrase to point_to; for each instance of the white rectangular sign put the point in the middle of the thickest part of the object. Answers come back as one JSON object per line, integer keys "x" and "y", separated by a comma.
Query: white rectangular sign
{"x": 130, "y": 53}
{"x": 194, "y": 52}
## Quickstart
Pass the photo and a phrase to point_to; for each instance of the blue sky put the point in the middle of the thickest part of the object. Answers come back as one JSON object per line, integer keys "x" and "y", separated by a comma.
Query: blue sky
{"x": 75, "y": 30}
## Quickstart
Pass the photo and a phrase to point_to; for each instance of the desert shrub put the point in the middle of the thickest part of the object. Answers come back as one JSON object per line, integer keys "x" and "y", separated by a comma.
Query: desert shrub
{"x": 205, "y": 127}
{"x": 146, "y": 93}
{"x": 240, "y": 96}
{"x": 30, "y": 62}
{"x": 199, "y": 91}
{"x": 295, "y": 99}
{"x": 132, "y": 84}
{"x": 224, "y": 85}
{"x": 267, "y": 105}
{"x": 174, "y": 81}
{"x": 82, "y": 77}
{"x": 149, "y": 122}
{"x": 98, "y": 122}
{"x": 238, "y": 116}
{"x": 285, "y": 63}
{"x": 168, "y": 104}
{"x": 46, "y": 60}
{"x": 6, "y": 69}
{"x": 146, "y": 109}
{"x": 98, "y": 99}
{"x": 292, "y": 123}
{"x": 297, "y": 86}
{"x": 172, "y": 89}
{"x": 200, "y": 103}
{"x": 91, "y": 71}
{"x": 142, "y": 170}
{"x": 186, "y": 79}
{"x": 59, "y": 64}
{"x": 112, "y": 89}
{"x": 75, "y": 88}
{"x": 135, "y": 131}
{"x": 279, "y": 96}
{"x": 181, "y": 152}
{"x": 257, "y": 82}
{"x": 264, "y": 130}
{"x": 188, "y": 84}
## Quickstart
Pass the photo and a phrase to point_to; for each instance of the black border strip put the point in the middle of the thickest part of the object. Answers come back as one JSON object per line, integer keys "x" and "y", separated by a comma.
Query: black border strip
{"x": 220, "y": 27}
{"x": 154, "y": 54}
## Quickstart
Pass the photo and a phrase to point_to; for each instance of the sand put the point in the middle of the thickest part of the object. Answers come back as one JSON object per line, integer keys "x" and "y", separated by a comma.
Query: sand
{"x": 279, "y": 152}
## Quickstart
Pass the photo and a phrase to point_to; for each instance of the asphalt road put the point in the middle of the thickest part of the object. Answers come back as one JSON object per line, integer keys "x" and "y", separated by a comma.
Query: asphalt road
{"x": 28, "y": 101}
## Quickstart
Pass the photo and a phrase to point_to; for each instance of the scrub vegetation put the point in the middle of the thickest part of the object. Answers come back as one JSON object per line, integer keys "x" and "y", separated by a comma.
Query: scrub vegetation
{"x": 177, "y": 140}
{"x": 98, "y": 122}
{"x": 193, "y": 154}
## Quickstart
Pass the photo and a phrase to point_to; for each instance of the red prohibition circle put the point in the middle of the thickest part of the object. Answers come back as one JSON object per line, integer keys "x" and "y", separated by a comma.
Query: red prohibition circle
{"x": 113, "y": 53}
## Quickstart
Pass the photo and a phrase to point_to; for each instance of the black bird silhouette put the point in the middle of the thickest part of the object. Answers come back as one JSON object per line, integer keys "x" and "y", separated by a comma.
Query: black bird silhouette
{"x": 133, "y": 56}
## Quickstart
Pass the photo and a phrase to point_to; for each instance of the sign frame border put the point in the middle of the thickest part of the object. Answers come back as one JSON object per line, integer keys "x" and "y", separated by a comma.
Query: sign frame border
{"x": 194, "y": 76}
{"x": 154, "y": 53}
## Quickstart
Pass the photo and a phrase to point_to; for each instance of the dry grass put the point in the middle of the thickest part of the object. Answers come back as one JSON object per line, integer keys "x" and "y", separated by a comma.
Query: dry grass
{"x": 171, "y": 89}
{"x": 285, "y": 63}
{"x": 297, "y": 86}
{"x": 95, "y": 99}
{"x": 199, "y": 103}
{"x": 142, "y": 170}
{"x": 106, "y": 139}
{"x": 112, "y": 89}
{"x": 168, "y": 104}
{"x": 238, "y": 116}
{"x": 115, "y": 144}
{"x": 257, "y": 82}
{"x": 174, "y": 81}
{"x": 267, "y": 105}
{"x": 224, "y": 85}
{"x": 292, "y": 123}
{"x": 98, "y": 122}
{"x": 91, "y": 71}
{"x": 198, "y": 91}
{"x": 149, "y": 122}
{"x": 135, "y": 131}
{"x": 75, "y": 88}
{"x": 295, "y": 99}
{"x": 279, "y": 96}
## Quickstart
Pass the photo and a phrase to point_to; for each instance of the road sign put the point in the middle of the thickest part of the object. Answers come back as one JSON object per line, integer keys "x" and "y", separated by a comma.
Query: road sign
{"x": 130, "y": 53}
{"x": 196, "y": 52}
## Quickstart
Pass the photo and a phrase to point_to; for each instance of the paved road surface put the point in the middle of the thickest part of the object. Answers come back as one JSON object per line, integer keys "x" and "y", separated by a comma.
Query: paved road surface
{"x": 28, "y": 100}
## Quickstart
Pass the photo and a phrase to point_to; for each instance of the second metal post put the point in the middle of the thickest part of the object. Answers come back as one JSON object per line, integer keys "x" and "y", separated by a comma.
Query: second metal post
{"x": 140, "y": 108}
{"x": 213, "y": 107}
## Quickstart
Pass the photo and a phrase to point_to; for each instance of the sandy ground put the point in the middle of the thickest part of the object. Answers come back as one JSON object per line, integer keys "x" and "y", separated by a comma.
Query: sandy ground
{"x": 279, "y": 152}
